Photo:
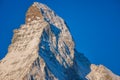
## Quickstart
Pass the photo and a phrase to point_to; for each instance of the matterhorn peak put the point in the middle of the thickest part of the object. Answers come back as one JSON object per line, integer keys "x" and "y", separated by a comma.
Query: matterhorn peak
{"x": 33, "y": 13}
{"x": 43, "y": 49}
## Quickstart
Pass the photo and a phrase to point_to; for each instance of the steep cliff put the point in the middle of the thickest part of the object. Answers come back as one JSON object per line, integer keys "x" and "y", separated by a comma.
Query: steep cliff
{"x": 43, "y": 49}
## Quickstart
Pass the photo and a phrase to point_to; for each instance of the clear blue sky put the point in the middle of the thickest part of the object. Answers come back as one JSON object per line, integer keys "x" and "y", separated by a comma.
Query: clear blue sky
{"x": 94, "y": 25}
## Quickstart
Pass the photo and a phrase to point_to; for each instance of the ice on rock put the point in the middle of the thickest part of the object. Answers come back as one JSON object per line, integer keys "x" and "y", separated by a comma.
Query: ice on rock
{"x": 43, "y": 49}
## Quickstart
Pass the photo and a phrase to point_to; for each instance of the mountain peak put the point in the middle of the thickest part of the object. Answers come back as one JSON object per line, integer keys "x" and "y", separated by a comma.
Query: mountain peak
{"x": 33, "y": 13}
{"x": 43, "y": 49}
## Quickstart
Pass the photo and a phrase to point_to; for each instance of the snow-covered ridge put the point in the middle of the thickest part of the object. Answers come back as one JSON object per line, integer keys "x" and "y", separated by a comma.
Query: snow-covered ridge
{"x": 43, "y": 49}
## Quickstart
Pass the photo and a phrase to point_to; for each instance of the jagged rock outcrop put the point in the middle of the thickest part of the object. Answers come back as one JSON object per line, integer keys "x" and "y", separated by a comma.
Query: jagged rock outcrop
{"x": 101, "y": 73}
{"x": 43, "y": 49}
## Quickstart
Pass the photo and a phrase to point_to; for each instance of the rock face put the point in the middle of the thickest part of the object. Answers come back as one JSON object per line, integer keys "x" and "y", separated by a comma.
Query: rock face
{"x": 43, "y": 49}
{"x": 101, "y": 73}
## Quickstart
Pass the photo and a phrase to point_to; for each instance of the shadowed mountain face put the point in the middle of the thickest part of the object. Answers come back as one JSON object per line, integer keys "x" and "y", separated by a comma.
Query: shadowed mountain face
{"x": 43, "y": 49}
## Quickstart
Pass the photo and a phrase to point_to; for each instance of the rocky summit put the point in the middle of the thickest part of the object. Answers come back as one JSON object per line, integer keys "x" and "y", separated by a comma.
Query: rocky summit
{"x": 43, "y": 49}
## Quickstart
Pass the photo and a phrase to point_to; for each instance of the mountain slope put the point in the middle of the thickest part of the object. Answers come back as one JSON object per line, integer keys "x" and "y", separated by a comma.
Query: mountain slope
{"x": 43, "y": 49}
{"x": 101, "y": 73}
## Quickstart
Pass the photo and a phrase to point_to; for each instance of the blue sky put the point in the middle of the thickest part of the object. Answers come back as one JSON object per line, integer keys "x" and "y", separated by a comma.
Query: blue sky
{"x": 94, "y": 25}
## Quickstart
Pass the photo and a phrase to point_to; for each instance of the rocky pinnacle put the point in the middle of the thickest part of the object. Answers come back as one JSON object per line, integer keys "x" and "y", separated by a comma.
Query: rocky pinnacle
{"x": 43, "y": 49}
